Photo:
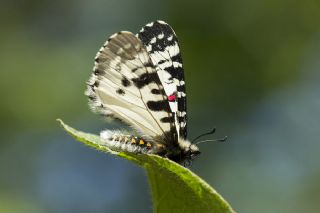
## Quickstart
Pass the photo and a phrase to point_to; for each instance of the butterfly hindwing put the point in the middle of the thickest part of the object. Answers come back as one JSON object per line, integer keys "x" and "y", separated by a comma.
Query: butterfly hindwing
{"x": 125, "y": 85}
{"x": 162, "y": 44}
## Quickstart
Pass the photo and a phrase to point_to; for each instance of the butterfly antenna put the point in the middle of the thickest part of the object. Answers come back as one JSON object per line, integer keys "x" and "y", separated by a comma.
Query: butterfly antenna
{"x": 204, "y": 134}
{"x": 215, "y": 140}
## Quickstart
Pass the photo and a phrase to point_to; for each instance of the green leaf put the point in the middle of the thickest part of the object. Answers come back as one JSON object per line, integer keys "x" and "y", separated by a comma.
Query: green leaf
{"x": 174, "y": 187}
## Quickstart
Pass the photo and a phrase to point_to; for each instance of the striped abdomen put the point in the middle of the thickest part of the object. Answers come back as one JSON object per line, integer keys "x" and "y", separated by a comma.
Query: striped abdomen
{"x": 129, "y": 143}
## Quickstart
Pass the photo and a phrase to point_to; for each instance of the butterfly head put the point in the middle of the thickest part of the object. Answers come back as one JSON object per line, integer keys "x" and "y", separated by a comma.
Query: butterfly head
{"x": 189, "y": 152}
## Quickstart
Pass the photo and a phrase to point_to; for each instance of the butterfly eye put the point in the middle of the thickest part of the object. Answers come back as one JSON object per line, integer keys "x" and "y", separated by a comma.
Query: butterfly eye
{"x": 187, "y": 163}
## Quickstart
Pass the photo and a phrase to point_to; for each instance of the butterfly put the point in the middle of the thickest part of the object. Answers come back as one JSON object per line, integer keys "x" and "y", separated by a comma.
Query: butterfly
{"x": 139, "y": 80}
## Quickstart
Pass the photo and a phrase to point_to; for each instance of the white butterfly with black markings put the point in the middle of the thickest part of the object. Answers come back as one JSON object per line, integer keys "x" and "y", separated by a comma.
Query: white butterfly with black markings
{"x": 139, "y": 80}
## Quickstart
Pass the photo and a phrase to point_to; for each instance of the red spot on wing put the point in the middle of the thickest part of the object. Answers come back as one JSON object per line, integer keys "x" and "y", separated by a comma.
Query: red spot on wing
{"x": 172, "y": 97}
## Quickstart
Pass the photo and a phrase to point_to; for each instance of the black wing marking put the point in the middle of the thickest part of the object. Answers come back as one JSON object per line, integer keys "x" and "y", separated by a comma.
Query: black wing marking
{"x": 162, "y": 44}
{"x": 125, "y": 85}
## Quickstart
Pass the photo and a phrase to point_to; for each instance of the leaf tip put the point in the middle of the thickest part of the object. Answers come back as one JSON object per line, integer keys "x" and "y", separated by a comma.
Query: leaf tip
{"x": 60, "y": 121}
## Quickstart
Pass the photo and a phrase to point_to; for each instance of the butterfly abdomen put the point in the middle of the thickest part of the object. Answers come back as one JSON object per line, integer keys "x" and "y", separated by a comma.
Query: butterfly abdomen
{"x": 129, "y": 143}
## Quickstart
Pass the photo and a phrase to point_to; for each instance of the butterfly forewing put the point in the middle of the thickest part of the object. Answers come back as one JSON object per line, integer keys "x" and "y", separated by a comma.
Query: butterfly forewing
{"x": 162, "y": 45}
{"x": 125, "y": 85}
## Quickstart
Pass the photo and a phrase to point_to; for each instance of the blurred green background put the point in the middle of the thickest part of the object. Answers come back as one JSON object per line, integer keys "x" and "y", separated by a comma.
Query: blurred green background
{"x": 252, "y": 70}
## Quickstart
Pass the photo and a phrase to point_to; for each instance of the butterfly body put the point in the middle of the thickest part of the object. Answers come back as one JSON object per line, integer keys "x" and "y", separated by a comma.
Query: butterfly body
{"x": 181, "y": 152}
{"x": 139, "y": 80}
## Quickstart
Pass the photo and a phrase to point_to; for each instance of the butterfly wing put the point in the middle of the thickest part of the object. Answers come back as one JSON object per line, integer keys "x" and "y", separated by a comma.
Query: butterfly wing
{"x": 126, "y": 86}
{"x": 162, "y": 45}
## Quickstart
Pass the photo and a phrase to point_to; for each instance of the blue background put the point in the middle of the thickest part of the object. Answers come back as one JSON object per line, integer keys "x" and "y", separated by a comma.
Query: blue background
{"x": 252, "y": 70}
